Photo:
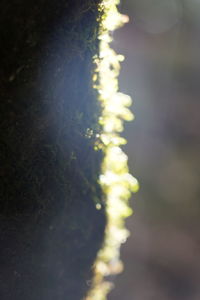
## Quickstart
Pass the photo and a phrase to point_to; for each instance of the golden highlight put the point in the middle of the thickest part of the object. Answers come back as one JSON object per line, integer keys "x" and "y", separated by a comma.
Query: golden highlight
{"x": 115, "y": 180}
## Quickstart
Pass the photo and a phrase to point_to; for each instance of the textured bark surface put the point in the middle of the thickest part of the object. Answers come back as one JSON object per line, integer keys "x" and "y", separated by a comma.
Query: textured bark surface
{"x": 50, "y": 230}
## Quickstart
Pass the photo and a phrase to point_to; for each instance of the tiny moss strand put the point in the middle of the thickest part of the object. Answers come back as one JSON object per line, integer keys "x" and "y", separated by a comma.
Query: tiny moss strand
{"x": 116, "y": 181}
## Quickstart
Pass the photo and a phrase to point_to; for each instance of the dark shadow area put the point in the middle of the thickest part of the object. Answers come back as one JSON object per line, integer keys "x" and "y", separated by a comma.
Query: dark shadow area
{"x": 50, "y": 229}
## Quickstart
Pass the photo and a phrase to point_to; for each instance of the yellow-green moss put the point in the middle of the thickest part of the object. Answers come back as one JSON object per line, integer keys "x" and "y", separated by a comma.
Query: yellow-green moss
{"x": 116, "y": 182}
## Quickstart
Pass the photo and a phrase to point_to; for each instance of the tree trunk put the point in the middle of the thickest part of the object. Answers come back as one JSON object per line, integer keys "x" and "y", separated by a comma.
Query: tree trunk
{"x": 50, "y": 229}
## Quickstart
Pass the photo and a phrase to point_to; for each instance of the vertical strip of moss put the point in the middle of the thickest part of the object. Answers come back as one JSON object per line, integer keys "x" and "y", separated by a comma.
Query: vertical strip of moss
{"x": 116, "y": 181}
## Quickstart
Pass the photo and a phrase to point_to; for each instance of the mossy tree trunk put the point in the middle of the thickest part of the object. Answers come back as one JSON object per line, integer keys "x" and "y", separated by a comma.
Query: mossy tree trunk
{"x": 50, "y": 229}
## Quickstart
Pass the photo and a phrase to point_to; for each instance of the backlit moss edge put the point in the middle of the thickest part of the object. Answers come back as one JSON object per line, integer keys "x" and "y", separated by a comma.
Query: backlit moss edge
{"x": 116, "y": 181}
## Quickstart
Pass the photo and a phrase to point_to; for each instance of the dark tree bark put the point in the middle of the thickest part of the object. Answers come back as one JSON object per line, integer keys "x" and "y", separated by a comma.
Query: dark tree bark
{"x": 50, "y": 229}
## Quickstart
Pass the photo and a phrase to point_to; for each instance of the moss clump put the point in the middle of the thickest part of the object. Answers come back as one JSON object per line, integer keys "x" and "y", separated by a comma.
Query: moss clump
{"x": 50, "y": 229}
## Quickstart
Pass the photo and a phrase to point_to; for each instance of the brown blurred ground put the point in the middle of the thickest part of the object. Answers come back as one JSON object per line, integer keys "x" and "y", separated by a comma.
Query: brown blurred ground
{"x": 162, "y": 74}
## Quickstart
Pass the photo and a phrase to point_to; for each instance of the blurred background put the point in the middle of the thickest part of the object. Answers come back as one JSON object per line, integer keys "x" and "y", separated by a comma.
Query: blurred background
{"x": 162, "y": 74}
